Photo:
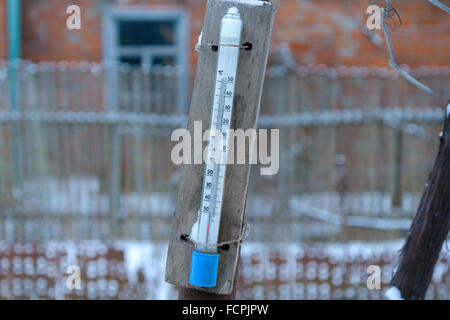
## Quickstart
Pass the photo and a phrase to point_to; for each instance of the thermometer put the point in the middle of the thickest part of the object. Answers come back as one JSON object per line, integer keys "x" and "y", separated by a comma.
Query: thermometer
{"x": 205, "y": 259}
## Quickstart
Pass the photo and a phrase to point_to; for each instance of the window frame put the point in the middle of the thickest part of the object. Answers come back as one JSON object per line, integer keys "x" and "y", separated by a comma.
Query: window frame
{"x": 112, "y": 50}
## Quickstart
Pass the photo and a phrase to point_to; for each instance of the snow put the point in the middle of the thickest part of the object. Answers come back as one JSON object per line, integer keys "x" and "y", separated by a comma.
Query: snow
{"x": 194, "y": 230}
{"x": 439, "y": 271}
{"x": 378, "y": 223}
{"x": 199, "y": 42}
{"x": 338, "y": 264}
{"x": 301, "y": 207}
{"x": 393, "y": 294}
{"x": 337, "y": 251}
{"x": 448, "y": 110}
{"x": 334, "y": 264}
{"x": 367, "y": 203}
{"x": 82, "y": 195}
{"x": 150, "y": 259}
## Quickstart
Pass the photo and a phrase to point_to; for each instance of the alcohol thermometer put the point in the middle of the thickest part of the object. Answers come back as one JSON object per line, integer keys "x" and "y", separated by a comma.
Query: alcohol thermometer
{"x": 205, "y": 259}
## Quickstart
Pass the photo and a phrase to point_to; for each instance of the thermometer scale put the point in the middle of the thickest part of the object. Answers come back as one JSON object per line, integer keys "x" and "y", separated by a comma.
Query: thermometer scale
{"x": 205, "y": 259}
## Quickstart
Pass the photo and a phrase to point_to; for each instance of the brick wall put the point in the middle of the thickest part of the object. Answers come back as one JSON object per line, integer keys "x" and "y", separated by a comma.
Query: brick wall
{"x": 319, "y": 32}
{"x": 330, "y": 32}
{"x": 46, "y": 37}
{"x": 3, "y": 33}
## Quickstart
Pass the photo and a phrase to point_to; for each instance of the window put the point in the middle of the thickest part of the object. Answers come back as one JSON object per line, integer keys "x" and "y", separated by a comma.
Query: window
{"x": 145, "y": 37}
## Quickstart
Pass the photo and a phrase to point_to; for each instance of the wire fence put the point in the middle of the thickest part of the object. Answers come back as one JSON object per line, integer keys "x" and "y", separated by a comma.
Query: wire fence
{"x": 356, "y": 145}
{"x": 85, "y": 151}
{"x": 85, "y": 156}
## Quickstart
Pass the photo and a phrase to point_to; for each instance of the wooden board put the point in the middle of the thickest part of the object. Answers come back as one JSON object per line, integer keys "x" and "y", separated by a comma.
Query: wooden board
{"x": 257, "y": 29}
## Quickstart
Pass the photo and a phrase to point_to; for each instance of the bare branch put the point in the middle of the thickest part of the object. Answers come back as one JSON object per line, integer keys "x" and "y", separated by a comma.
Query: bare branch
{"x": 392, "y": 61}
{"x": 440, "y": 5}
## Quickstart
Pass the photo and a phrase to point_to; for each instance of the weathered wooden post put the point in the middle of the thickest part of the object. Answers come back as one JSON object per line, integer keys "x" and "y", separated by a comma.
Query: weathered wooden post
{"x": 257, "y": 22}
{"x": 429, "y": 228}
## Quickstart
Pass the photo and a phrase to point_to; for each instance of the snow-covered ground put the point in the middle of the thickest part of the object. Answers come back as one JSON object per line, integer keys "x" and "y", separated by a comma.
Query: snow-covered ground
{"x": 327, "y": 271}
{"x": 128, "y": 270}
{"x": 135, "y": 269}
{"x": 361, "y": 203}
{"x": 82, "y": 195}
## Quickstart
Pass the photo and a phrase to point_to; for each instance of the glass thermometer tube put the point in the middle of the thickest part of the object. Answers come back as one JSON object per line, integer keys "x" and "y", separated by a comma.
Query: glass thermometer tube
{"x": 205, "y": 259}
{"x": 222, "y": 110}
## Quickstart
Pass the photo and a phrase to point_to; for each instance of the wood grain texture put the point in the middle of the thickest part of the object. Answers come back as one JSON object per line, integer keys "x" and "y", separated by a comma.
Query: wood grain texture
{"x": 257, "y": 29}
{"x": 429, "y": 228}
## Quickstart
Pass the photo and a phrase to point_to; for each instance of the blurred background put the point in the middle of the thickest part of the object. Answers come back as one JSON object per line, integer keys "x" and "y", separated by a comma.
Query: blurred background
{"x": 85, "y": 122}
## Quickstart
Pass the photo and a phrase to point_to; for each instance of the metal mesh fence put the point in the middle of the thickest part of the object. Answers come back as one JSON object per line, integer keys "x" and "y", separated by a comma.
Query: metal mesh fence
{"x": 85, "y": 155}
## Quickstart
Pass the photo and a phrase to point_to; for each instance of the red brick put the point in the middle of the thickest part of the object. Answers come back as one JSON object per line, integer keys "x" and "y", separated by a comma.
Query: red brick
{"x": 317, "y": 30}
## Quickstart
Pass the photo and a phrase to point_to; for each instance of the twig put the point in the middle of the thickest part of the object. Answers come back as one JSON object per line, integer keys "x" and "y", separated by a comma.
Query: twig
{"x": 392, "y": 61}
{"x": 440, "y": 5}
{"x": 411, "y": 129}
{"x": 334, "y": 218}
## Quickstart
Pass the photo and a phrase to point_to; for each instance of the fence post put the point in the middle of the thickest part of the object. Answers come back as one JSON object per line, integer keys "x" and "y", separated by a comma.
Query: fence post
{"x": 396, "y": 151}
{"x": 397, "y": 169}
{"x": 113, "y": 136}
{"x": 14, "y": 55}
{"x": 257, "y": 18}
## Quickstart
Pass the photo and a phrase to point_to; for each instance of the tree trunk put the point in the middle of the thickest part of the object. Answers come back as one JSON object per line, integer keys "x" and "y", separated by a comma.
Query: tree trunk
{"x": 429, "y": 228}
